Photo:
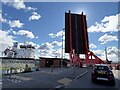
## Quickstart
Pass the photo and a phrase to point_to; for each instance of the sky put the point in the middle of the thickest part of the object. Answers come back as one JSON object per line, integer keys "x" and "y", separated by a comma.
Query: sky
{"x": 43, "y": 24}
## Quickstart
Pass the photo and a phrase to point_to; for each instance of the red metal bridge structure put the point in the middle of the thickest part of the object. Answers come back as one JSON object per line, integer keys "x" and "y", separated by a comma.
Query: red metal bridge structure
{"x": 76, "y": 40}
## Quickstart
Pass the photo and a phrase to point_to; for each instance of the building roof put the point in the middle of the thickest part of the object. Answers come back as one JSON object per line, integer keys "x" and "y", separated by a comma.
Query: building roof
{"x": 53, "y": 58}
{"x": 27, "y": 46}
{"x": 17, "y": 58}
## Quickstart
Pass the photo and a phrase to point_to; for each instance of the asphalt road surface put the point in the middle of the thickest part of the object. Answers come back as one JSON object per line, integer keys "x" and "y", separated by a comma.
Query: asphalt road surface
{"x": 57, "y": 78}
{"x": 45, "y": 78}
{"x": 85, "y": 82}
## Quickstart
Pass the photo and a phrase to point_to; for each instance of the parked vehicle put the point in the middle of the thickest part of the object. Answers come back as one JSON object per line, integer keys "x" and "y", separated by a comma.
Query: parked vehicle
{"x": 102, "y": 72}
{"x": 117, "y": 67}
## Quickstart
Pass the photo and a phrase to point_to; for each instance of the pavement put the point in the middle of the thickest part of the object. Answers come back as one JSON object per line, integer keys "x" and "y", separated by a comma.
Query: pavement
{"x": 45, "y": 78}
{"x": 116, "y": 73}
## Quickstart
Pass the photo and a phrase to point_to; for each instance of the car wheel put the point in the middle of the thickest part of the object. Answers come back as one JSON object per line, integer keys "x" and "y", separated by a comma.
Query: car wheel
{"x": 112, "y": 82}
{"x": 93, "y": 79}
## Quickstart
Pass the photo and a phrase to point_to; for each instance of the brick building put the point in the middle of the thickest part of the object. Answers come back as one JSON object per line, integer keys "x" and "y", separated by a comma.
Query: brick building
{"x": 53, "y": 62}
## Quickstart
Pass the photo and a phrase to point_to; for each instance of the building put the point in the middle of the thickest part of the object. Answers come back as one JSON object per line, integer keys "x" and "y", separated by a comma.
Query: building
{"x": 53, "y": 62}
{"x": 17, "y": 64}
{"x": 25, "y": 51}
{"x": 18, "y": 56}
{"x": 19, "y": 51}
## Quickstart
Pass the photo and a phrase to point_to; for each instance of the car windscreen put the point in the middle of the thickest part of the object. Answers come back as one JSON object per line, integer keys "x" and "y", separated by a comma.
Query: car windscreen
{"x": 101, "y": 68}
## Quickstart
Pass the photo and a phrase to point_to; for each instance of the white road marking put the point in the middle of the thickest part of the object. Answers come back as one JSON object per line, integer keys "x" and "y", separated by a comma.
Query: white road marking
{"x": 64, "y": 81}
{"x": 22, "y": 78}
{"x": 14, "y": 80}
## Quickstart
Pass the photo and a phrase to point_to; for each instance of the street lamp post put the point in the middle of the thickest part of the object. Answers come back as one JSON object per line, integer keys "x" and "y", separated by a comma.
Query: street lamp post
{"x": 62, "y": 49}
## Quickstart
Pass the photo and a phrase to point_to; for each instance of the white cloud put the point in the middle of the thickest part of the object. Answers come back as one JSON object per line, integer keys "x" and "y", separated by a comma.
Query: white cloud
{"x": 11, "y": 30}
{"x": 52, "y": 53}
{"x": 5, "y": 1}
{"x": 2, "y": 20}
{"x": 33, "y": 44}
{"x": 36, "y": 37}
{"x": 25, "y": 32}
{"x": 49, "y": 49}
{"x": 15, "y": 23}
{"x": 112, "y": 50}
{"x": 52, "y": 35}
{"x": 12, "y": 24}
{"x": 107, "y": 38}
{"x": 5, "y": 40}
{"x": 14, "y": 32}
{"x": 107, "y": 24}
{"x": 112, "y": 53}
{"x": 92, "y": 45}
{"x": 56, "y": 43}
{"x": 58, "y": 34}
{"x": 31, "y": 8}
{"x": 98, "y": 52}
{"x": 46, "y": 46}
{"x": 57, "y": 53}
{"x": 35, "y": 16}
{"x": 18, "y": 4}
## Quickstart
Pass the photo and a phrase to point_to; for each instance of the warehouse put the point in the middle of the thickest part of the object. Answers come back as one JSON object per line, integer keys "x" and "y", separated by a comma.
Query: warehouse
{"x": 53, "y": 62}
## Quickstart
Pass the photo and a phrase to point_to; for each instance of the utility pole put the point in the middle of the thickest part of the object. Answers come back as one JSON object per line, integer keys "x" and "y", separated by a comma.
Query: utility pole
{"x": 62, "y": 49}
{"x": 25, "y": 36}
{"x": 106, "y": 54}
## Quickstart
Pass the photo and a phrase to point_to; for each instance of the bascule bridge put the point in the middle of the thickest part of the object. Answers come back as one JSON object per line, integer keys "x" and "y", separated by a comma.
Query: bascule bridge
{"x": 77, "y": 40}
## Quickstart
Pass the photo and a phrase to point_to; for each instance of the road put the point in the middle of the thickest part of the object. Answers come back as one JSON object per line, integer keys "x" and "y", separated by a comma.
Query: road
{"x": 43, "y": 78}
{"x": 58, "y": 78}
{"x": 85, "y": 82}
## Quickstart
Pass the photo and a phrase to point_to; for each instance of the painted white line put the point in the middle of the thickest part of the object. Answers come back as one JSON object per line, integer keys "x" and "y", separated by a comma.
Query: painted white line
{"x": 64, "y": 81}
{"x": 60, "y": 86}
{"x": 22, "y": 78}
{"x": 81, "y": 75}
{"x": 19, "y": 81}
{"x": 15, "y": 81}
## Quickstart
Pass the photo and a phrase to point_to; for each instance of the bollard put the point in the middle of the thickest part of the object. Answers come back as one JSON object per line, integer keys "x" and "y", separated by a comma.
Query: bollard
{"x": 10, "y": 76}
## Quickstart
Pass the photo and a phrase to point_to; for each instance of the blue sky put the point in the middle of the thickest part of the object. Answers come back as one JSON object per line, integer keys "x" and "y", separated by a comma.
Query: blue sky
{"x": 44, "y": 29}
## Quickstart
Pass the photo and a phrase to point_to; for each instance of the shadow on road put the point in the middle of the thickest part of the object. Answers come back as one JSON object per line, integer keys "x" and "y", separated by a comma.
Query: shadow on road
{"x": 107, "y": 83}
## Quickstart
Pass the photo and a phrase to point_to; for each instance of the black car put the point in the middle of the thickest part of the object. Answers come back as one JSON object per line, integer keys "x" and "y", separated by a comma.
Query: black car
{"x": 102, "y": 72}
